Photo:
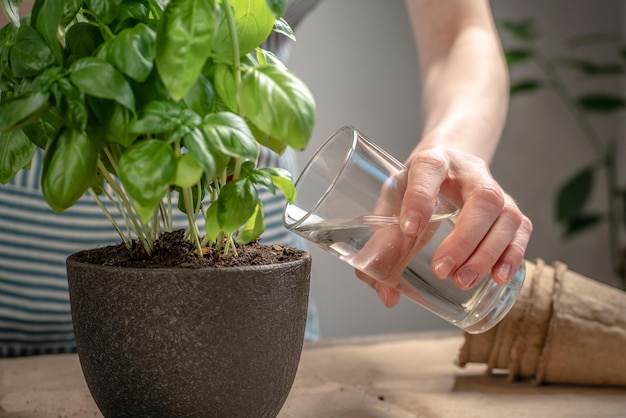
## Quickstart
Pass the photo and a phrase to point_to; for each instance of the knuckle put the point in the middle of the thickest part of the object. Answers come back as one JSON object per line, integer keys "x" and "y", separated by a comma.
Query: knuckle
{"x": 490, "y": 195}
{"x": 512, "y": 215}
{"x": 526, "y": 225}
{"x": 431, "y": 158}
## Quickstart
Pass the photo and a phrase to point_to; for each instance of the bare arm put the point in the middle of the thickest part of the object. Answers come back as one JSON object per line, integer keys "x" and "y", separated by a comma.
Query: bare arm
{"x": 464, "y": 76}
{"x": 464, "y": 101}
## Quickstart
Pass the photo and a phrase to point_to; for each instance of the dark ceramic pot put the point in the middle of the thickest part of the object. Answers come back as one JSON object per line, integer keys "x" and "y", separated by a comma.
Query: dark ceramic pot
{"x": 189, "y": 342}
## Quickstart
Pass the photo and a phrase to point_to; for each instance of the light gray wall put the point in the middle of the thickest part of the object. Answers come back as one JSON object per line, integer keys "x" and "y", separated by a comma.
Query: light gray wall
{"x": 358, "y": 58}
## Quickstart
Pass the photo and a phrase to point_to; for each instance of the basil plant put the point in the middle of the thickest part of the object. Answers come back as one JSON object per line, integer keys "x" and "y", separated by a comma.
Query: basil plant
{"x": 150, "y": 102}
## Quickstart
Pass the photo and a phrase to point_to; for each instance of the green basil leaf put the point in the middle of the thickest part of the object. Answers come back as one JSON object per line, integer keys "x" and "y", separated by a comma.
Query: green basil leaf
{"x": 7, "y": 34}
{"x": 236, "y": 204}
{"x": 46, "y": 17}
{"x": 19, "y": 110}
{"x": 282, "y": 179}
{"x": 82, "y": 39}
{"x": 68, "y": 169}
{"x": 258, "y": 178}
{"x": 211, "y": 224}
{"x": 11, "y": 10}
{"x": 105, "y": 10}
{"x": 132, "y": 12}
{"x": 147, "y": 169}
{"x": 281, "y": 26}
{"x": 197, "y": 195}
{"x": 44, "y": 129}
{"x": 113, "y": 124}
{"x": 71, "y": 7}
{"x": 253, "y": 228}
{"x": 199, "y": 148}
{"x": 231, "y": 135}
{"x": 16, "y": 152}
{"x": 132, "y": 52}
{"x": 278, "y": 7}
{"x": 188, "y": 171}
{"x": 152, "y": 89}
{"x": 224, "y": 81}
{"x": 254, "y": 22}
{"x": 98, "y": 78}
{"x": 278, "y": 103}
{"x": 30, "y": 55}
{"x": 73, "y": 106}
{"x": 159, "y": 117}
{"x": 200, "y": 97}
{"x": 267, "y": 141}
{"x": 268, "y": 57}
{"x": 184, "y": 39}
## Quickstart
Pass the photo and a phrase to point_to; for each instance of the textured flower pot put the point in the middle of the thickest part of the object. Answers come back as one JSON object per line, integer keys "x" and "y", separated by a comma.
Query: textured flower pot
{"x": 189, "y": 342}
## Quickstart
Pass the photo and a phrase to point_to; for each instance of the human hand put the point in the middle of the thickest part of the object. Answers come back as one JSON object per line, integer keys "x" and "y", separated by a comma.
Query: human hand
{"x": 491, "y": 233}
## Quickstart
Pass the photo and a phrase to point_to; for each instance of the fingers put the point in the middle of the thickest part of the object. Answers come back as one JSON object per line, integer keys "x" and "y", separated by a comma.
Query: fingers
{"x": 482, "y": 232}
{"x": 426, "y": 172}
{"x": 491, "y": 232}
{"x": 513, "y": 256}
{"x": 388, "y": 295}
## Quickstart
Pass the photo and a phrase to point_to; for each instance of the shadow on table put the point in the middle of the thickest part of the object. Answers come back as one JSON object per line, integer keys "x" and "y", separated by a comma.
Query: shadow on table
{"x": 498, "y": 383}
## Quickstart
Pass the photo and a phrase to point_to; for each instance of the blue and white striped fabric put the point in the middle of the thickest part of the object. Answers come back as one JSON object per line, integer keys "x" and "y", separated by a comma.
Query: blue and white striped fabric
{"x": 34, "y": 243}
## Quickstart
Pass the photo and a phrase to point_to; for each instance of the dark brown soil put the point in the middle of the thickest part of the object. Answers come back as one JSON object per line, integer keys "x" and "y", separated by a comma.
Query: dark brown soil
{"x": 173, "y": 251}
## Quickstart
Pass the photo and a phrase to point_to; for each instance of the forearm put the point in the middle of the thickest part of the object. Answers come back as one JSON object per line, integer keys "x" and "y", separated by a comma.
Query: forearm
{"x": 464, "y": 76}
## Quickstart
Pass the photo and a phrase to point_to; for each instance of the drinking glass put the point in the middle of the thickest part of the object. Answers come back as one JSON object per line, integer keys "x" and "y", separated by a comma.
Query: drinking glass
{"x": 348, "y": 202}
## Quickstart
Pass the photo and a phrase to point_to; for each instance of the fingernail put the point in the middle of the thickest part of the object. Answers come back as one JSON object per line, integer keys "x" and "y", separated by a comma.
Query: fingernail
{"x": 466, "y": 277}
{"x": 411, "y": 222}
{"x": 443, "y": 267}
{"x": 503, "y": 272}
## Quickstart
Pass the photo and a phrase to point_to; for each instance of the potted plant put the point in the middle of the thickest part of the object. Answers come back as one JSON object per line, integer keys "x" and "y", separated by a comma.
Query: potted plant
{"x": 156, "y": 107}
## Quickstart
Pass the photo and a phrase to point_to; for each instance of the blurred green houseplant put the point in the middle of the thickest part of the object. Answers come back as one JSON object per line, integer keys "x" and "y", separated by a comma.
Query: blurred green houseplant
{"x": 572, "y": 200}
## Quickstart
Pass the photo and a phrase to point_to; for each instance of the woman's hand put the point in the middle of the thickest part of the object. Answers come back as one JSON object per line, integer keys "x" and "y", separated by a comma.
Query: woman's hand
{"x": 491, "y": 233}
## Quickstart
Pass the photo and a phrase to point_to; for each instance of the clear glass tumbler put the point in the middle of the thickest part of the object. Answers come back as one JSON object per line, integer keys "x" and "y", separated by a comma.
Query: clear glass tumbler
{"x": 348, "y": 202}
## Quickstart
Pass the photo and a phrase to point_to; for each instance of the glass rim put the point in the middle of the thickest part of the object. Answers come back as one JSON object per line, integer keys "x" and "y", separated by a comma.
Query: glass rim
{"x": 355, "y": 135}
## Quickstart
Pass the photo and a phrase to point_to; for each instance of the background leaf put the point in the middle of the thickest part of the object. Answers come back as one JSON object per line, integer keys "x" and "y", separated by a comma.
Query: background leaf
{"x": 524, "y": 86}
{"x": 601, "y": 102}
{"x": 574, "y": 194}
{"x": 523, "y": 30}
{"x": 516, "y": 56}
{"x": 581, "y": 222}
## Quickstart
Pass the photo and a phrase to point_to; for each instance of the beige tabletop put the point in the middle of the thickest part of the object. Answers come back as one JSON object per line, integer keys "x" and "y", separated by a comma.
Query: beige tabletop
{"x": 397, "y": 376}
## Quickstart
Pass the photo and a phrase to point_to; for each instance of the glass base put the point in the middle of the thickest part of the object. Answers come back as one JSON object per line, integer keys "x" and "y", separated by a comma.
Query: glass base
{"x": 498, "y": 301}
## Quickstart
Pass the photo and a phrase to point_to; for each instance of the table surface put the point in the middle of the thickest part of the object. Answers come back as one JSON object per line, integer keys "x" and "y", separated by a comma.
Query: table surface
{"x": 395, "y": 376}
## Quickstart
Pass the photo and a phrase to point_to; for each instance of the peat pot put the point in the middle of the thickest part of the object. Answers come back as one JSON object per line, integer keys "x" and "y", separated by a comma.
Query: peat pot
{"x": 189, "y": 342}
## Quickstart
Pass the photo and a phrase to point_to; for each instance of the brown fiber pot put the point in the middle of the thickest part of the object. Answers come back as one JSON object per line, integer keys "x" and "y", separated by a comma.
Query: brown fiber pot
{"x": 189, "y": 342}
